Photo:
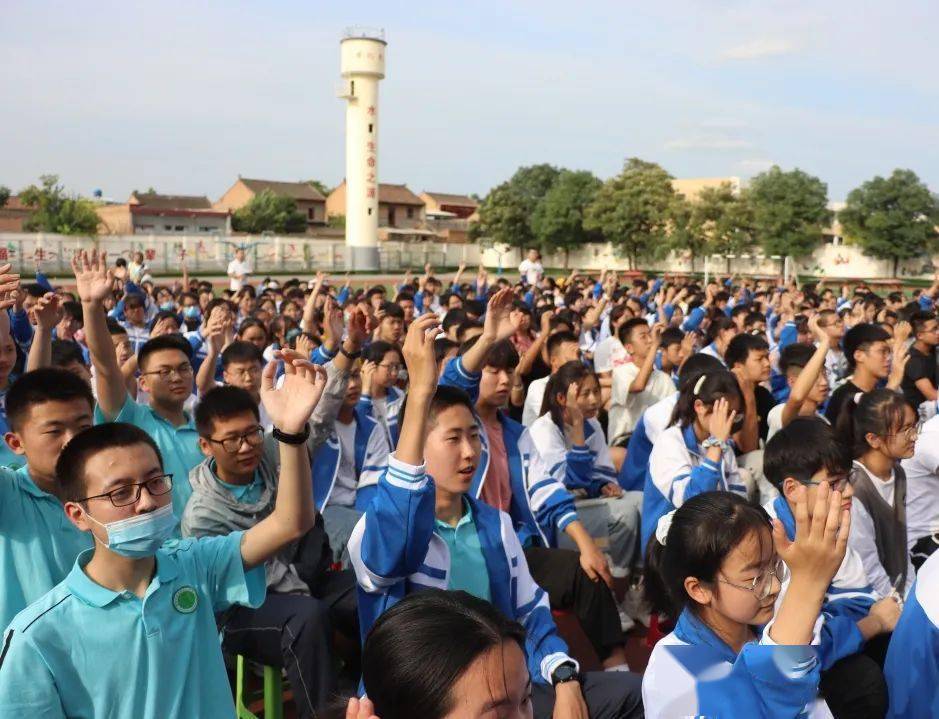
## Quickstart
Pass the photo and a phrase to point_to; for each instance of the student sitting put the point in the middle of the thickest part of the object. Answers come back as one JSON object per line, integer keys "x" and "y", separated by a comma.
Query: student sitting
{"x": 38, "y": 545}
{"x": 912, "y": 666}
{"x": 922, "y": 494}
{"x": 381, "y": 399}
{"x": 696, "y": 453}
{"x": 242, "y": 364}
{"x": 637, "y": 384}
{"x": 720, "y": 332}
{"x": 423, "y": 530}
{"x": 563, "y": 347}
{"x": 803, "y": 365}
{"x": 807, "y": 454}
{"x": 880, "y": 429}
{"x": 568, "y": 436}
{"x": 715, "y": 565}
{"x": 131, "y": 631}
{"x": 234, "y": 489}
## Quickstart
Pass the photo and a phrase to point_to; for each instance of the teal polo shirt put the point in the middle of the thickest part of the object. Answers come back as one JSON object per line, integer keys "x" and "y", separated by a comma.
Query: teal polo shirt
{"x": 244, "y": 493}
{"x": 178, "y": 445}
{"x": 86, "y": 651}
{"x": 38, "y": 545}
{"x": 468, "y": 569}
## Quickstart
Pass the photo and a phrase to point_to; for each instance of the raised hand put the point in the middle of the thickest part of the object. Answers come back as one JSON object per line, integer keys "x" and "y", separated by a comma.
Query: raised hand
{"x": 304, "y": 345}
{"x": 499, "y": 324}
{"x": 92, "y": 275}
{"x": 333, "y": 325}
{"x": 357, "y": 329}
{"x": 290, "y": 405}
{"x": 46, "y": 312}
{"x": 901, "y": 355}
{"x": 361, "y": 709}
{"x": 721, "y": 421}
{"x": 9, "y": 287}
{"x": 902, "y": 332}
{"x": 821, "y": 540}
{"x": 818, "y": 332}
{"x": 368, "y": 373}
{"x": 418, "y": 351}
{"x": 574, "y": 412}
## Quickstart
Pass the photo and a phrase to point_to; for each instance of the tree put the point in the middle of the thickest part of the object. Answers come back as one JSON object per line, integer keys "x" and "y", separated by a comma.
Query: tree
{"x": 505, "y": 215}
{"x": 54, "y": 211}
{"x": 319, "y": 187}
{"x": 4, "y": 195}
{"x": 558, "y": 220}
{"x": 892, "y": 218}
{"x": 634, "y": 210}
{"x": 789, "y": 210}
{"x": 687, "y": 235}
{"x": 267, "y": 212}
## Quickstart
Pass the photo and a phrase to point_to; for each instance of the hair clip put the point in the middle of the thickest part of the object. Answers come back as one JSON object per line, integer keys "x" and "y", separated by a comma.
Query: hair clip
{"x": 662, "y": 527}
{"x": 699, "y": 384}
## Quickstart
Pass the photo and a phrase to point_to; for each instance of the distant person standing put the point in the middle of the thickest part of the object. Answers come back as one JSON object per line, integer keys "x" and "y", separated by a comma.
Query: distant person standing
{"x": 531, "y": 268}
{"x": 238, "y": 270}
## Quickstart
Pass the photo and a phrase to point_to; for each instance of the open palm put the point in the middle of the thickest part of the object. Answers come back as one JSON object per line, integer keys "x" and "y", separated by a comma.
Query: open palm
{"x": 290, "y": 405}
{"x": 92, "y": 276}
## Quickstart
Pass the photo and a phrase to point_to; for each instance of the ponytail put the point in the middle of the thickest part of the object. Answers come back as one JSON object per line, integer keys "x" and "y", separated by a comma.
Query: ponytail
{"x": 878, "y": 412}
{"x": 708, "y": 388}
{"x": 558, "y": 384}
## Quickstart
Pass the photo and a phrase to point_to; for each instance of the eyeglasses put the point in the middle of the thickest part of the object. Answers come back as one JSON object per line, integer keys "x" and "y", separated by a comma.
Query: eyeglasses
{"x": 910, "y": 432}
{"x": 762, "y": 584}
{"x": 392, "y": 368}
{"x": 232, "y": 445}
{"x": 837, "y": 484}
{"x": 183, "y": 371}
{"x": 130, "y": 493}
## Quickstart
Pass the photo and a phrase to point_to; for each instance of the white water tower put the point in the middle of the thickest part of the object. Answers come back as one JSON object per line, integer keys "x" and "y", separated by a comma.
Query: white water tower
{"x": 362, "y": 66}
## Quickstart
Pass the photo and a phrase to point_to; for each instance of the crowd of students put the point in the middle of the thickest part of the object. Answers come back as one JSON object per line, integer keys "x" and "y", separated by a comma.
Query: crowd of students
{"x": 389, "y": 494}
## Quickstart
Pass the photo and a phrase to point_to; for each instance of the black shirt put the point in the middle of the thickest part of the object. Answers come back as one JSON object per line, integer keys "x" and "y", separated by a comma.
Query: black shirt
{"x": 919, "y": 366}
{"x": 764, "y": 403}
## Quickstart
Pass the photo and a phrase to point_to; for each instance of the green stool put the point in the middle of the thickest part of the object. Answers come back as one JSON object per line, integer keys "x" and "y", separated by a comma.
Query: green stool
{"x": 273, "y": 693}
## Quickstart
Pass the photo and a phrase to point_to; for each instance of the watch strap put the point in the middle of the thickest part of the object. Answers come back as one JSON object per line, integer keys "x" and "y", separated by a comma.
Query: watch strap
{"x": 291, "y": 438}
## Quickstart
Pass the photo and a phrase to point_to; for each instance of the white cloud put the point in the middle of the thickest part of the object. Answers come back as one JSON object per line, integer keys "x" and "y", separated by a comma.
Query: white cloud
{"x": 762, "y": 47}
{"x": 754, "y": 165}
{"x": 708, "y": 142}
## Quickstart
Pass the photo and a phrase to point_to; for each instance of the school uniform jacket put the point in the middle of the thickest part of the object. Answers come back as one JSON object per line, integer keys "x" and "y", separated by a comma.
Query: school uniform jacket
{"x": 541, "y": 507}
{"x": 395, "y": 552}
{"x": 678, "y": 471}
{"x": 912, "y": 666}
{"x": 692, "y": 673}
{"x": 584, "y": 467}
{"x": 393, "y": 401}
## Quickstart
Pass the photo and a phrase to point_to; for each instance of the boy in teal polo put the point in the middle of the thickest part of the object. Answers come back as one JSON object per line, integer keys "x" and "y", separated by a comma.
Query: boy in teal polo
{"x": 166, "y": 374}
{"x": 131, "y": 631}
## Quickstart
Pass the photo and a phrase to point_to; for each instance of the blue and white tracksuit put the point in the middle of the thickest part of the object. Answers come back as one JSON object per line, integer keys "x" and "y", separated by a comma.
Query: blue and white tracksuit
{"x": 693, "y": 673}
{"x": 388, "y": 420}
{"x": 652, "y": 422}
{"x": 679, "y": 470}
{"x": 395, "y": 551}
{"x": 912, "y": 666}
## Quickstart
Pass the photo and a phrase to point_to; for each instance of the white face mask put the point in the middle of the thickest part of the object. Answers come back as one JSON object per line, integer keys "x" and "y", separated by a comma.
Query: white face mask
{"x": 140, "y": 535}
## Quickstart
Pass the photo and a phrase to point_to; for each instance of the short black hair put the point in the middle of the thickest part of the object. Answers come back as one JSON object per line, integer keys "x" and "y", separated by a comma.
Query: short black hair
{"x": 740, "y": 347}
{"x": 453, "y": 318}
{"x": 34, "y": 289}
{"x": 919, "y": 320}
{"x": 221, "y": 403}
{"x": 241, "y": 351}
{"x": 65, "y": 352}
{"x": 74, "y": 310}
{"x": 467, "y": 325}
{"x": 628, "y": 326}
{"x": 802, "y": 448}
{"x": 392, "y": 309}
{"x": 376, "y": 290}
{"x": 70, "y": 467}
{"x": 376, "y": 351}
{"x": 559, "y": 338}
{"x": 861, "y": 337}
{"x": 444, "y": 398}
{"x": 795, "y": 356}
{"x": 135, "y": 299}
{"x": 163, "y": 342}
{"x": 443, "y": 345}
{"x": 503, "y": 356}
{"x": 48, "y": 384}
{"x": 165, "y": 315}
{"x": 115, "y": 327}
{"x": 672, "y": 336}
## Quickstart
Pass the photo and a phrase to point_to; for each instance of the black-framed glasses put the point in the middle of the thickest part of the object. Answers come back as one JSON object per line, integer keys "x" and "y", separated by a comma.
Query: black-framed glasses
{"x": 837, "y": 484}
{"x": 232, "y": 445}
{"x": 130, "y": 493}
{"x": 183, "y": 371}
{"x": 762, "y": 584}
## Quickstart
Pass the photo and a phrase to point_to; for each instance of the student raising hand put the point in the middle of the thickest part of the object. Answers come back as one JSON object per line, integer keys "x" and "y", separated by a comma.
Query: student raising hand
{"x": 812, "y": 558}
{"x": 9, "y": 287}
{"x": 360, "y": 709}
{"x": 419, "y": 358}
{"x": 291, "y": 404}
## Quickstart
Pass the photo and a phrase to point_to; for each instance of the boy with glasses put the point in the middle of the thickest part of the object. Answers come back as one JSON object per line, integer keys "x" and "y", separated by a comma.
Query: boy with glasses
{"x": 131, "y": 631}
{"x": 381, "y": 399}
{"x": 166, "y": 375}
{"x": 806, "y": 452}
{"x": 919, "y": 377}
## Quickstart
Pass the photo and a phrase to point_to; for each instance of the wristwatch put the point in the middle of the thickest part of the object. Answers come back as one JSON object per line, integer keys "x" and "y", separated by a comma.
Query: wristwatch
{"x": 291, "y": 438}
{"x": 349, "y": 355}
{"x": 563, "y": 673}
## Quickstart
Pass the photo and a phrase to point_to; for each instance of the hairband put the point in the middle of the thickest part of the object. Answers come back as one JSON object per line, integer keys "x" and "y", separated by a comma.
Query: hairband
{"x": 662, "y": 527}
{"x": 699, "y": 384}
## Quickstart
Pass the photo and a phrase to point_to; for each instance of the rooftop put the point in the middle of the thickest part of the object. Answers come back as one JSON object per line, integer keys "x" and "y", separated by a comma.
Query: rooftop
{"x": 294, "y": 190}
{"x": 444, "y": 198}
{"x": 155, "y": 200}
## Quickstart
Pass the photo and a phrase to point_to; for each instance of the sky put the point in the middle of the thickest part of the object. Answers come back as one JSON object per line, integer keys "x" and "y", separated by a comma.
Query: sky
{"x": 186, "y": 96}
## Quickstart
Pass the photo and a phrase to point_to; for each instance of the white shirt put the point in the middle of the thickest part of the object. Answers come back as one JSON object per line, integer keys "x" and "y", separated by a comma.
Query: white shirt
{"x": 609, "y": 354}
{"x": 627, "y": 407}
{"x": 658, "y": 416}
{"x": 532, "y": 271}
{"x": 774, "y": 420}
{"x": 236, "y": 268}
{"x": 922, "y": 485}
{"x": 532, "y": 409}
{"x": 861, "y": 539}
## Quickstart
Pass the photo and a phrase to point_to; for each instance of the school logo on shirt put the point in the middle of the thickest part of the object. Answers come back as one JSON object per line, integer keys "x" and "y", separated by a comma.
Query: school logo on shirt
{"x": 185, "y": 600}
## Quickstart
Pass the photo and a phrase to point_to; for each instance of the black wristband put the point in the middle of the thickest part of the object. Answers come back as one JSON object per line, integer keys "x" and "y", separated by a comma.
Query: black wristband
{"x": 291, "y": 438}
{"x": 350, "y": 355}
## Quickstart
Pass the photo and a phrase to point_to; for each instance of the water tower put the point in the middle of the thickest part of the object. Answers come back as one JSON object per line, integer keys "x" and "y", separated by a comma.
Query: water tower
{"x": 362, "y": 66}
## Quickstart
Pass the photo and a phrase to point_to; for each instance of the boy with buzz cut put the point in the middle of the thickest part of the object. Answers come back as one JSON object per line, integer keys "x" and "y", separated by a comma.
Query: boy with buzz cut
{"x": 131, "y": 631}
{"x": 800, "y": 457}
{"x": 38, "y": 545}
{"x": 423, "y": 529}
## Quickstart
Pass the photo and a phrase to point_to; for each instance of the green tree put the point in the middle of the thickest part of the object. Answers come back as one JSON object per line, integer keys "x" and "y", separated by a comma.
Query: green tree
{"x": 505, "y": 215}
{"x": 893, "y": 217}
{"x": 267, "y": 212}
{"x": 726, "y": 220}
{"x": 4, "y": 195}
{"x": 686, "y": 235}
{"x": 337, "y": 222}
{"x": 558, "y": 220}
{"x": 54, "y": 211}
{"x": 789, "y": 211}
{"x": 319, "y": 187}
{"x": 634, "y": 210}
